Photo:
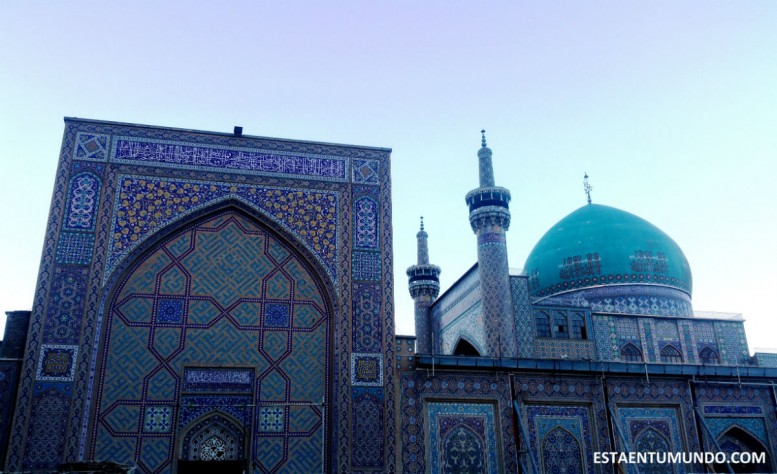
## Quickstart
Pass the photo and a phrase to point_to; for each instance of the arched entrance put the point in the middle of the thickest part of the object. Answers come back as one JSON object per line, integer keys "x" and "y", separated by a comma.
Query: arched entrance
{"x": 223, "y": 315}
{"x": 737, "y": 440}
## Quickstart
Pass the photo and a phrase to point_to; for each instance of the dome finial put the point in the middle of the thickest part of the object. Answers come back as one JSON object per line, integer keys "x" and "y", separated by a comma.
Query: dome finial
{"x": 483, "y": 141}
{"x": 587, "y": 187}
{"x": 422, "y": 222}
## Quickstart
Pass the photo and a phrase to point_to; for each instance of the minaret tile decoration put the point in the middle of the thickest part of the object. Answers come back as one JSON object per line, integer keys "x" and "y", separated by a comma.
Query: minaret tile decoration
{"x": 489, "y": 216}
{"x": 424, "y": 284}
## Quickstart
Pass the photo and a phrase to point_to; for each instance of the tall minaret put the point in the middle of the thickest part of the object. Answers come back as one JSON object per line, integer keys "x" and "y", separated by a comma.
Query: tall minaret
{"x": 424, "y": 283}
{"x": 489, "y": 216}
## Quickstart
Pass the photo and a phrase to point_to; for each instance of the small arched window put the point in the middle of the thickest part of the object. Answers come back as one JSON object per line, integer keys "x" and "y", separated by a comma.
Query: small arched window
{"x": 464, "y": 348}
{"x": 631, "y": 353}
{"x": 577, "y": 327}
{"x": 709, "y": 355}
{"x": 542, "y": 323}
{"x": 560, "y": 326}
{"x": 670, "y": 355}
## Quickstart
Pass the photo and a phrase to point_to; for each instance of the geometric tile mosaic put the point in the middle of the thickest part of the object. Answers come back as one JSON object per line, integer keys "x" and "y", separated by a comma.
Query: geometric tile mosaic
{"x": 462, "y": 438}
{"x": 472, "y": 393}
{"x": 75, "y": 248}
{"x": 57, "y": 362}
{"x": 367, "y": 446}
{"x": 169, "y": 311}
{"x": 91, "y": 146}
{"x": 276, "y": 315}
{"x": 366, "y": 327}
{"x": 366, "y": 266}
{"x": 271, "y": 419}
{"x": 524, "y": 325}
{"x": 157, "y": 419}
{"x": 66, "y": 305}
{"x": 366, "y": 370}
{"x": 365, "y": 171}
{"x": 231, "y": 317}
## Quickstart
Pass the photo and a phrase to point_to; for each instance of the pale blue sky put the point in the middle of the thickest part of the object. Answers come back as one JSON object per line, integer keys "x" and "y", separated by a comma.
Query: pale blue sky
{"x": 670, "y": 106}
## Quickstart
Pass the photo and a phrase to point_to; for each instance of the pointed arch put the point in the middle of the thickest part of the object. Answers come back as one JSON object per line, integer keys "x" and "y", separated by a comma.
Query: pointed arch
{"x": 651, "y": 440}
{"x": 214, "y": 436}
{"x": 463, "y": 451}
{"x": 709, "y": 356}
{"x": 738, "y": 439}
{"x": 560, "y": 451}
{"x": 631, "y": 353}
{"x": 465, "y": 348}
{"x": 671, "y": 355}
{"x": 236, "y": 276}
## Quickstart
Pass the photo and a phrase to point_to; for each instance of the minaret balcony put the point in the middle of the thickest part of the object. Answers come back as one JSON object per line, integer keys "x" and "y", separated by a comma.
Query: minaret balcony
{"x": 488, "y": 217}
{"x": 488, "y": 197}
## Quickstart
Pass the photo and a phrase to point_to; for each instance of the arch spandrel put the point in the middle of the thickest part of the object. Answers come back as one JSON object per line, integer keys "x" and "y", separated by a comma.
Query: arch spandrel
{"x": 247, "y": 276}
{"x": 145, "y": 206}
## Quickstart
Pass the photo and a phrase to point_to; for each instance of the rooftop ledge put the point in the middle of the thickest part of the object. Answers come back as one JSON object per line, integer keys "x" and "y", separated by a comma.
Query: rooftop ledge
{"x": 609, "y": 368}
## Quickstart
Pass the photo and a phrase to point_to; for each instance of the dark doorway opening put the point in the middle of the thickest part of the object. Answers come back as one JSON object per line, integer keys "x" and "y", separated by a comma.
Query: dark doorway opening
{"x": 209, "y": 467}
{"x": 464, "y": 348}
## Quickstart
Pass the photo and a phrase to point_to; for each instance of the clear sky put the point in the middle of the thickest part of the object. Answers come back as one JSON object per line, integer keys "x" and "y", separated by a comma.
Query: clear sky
{"x": 670, "y": 106}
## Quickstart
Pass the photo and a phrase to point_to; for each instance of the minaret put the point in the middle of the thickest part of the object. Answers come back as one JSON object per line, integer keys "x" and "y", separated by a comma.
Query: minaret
{"x": 424, "y": 283}
{"x": 489, "y": 216}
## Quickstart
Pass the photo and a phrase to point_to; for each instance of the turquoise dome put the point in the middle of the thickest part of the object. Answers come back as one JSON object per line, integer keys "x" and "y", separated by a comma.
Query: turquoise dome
{"x": 597, "y": 246}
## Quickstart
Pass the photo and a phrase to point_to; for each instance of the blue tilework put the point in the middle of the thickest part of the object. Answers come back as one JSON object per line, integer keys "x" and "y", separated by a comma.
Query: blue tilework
{"x": 157, "y": 419}
{"x": 271, "y": 419}
{"x": 605, "y": 337}
{"x": 367, "y": 430}
{"x": 57, "y": 362}
{"x": 524, "y": 324}
{"x": 647, "y": 300}
{"x": 221, "y": 433}
{"x": 469, "y": 326}
{"x": 366, "y": 171}
{"x": 418, "y": 391}
{"x": 754, "y": 426}
{"x": 367, "y": 333}
{"x": 366, "y": 225}
{"x": 82, "y": 202}
{"x": 446, "y": 421}
{"x": 166, "y": 153}
{"x": 366, "y": 266}
{"x": 544, "y": 420}
{"x": 366, "y": 370}
{"x": 66, "y": 305}
{"x": 648, "y": 426}
{"x": 46, "y": 432}
{"x": 276, "y": 315}
{"x": 498, "y": 328}
{"x": 170, "y": 311}
{"x": 152, "y": 453}
{"x": 218, "y": 379}
{"x": 75, "y": 248}
{"x": 91, "y": 146}
{"x": 141, "y": 358}
{"x": 144, "y": 205}
{"x": 193, "y": 407}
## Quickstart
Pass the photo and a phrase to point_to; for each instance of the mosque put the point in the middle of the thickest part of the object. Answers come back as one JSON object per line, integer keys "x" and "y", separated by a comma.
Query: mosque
{"x": 219, "y": 301}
